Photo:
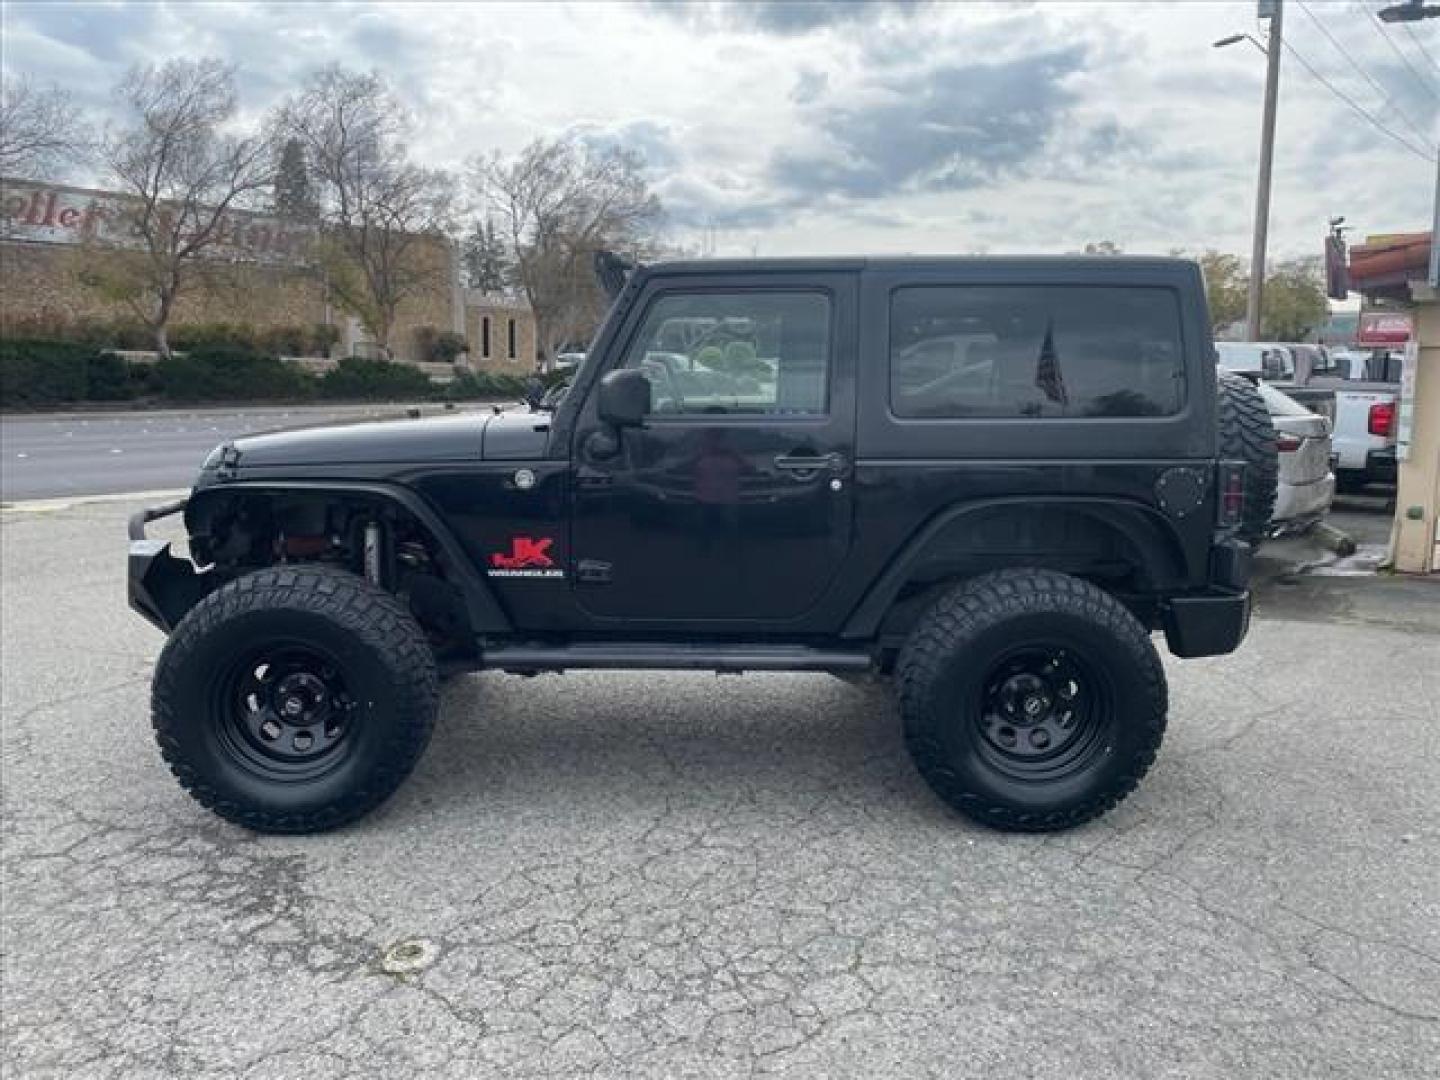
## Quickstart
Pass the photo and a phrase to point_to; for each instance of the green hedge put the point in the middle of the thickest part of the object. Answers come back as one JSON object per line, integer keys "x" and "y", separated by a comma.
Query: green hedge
{"x": 285, "y": 340}
{"x": 41, "y": 374}
{"x": 439, "y": 346}
{"x": 314, "y": 340}
{"x": 372, "y": 380}
{"x": 473, "y": 385}
{"x": 229, "y": 374}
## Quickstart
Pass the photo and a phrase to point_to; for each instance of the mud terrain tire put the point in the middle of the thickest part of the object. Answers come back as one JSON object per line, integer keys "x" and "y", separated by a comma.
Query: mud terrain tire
{"x": 1032, "y": 701}
{"x": 294, "y": 699}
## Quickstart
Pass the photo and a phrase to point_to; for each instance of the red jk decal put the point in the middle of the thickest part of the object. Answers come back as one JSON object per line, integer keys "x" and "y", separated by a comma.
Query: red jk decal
{"x": 525, "y": 552}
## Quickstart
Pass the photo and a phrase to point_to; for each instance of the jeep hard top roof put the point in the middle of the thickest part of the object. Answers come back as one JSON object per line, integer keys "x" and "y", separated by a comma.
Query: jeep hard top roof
{"x": 813, "y": 263}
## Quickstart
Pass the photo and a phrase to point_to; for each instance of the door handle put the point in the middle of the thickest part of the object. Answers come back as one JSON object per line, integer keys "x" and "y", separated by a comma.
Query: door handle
{"x": 809, "y": 463}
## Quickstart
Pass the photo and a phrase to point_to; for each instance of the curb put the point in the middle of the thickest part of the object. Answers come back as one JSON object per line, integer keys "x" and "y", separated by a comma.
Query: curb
{"x": 65, "y": 502}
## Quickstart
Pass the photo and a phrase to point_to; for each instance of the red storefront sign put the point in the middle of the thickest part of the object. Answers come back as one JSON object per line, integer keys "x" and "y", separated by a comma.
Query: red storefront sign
{"x": 1380, "y": 328}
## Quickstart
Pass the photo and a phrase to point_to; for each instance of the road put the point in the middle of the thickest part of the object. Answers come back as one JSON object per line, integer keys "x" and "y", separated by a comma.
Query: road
{"x": 53, "y": 455}
{"x": 659, "y": 875}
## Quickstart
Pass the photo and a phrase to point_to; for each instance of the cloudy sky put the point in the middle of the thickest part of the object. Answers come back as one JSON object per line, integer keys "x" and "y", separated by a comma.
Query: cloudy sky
{"x": 785, "y": 127}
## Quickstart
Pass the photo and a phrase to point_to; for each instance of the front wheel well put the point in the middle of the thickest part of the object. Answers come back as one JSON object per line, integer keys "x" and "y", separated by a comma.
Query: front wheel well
{"x": 239, "y": 531}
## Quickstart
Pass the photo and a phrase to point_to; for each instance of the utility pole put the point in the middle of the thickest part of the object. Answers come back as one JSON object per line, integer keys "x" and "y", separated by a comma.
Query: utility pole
{"x": 1262, "y": 190}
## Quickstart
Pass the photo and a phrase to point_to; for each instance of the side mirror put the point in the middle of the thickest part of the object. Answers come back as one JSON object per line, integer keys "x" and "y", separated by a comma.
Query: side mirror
{"x": 624, "y": 398}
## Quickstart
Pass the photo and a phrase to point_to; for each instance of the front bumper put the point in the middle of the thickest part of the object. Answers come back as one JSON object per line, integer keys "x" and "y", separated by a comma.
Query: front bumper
{"x": 161, "y": 587}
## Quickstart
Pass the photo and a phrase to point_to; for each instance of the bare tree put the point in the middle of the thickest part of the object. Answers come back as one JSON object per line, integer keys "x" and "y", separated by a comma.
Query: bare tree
{"x": 182, "y": 174}
{"x": 559, "y": 202}
{"x": 382, "y": 216}
{"x": 39, "y": 130}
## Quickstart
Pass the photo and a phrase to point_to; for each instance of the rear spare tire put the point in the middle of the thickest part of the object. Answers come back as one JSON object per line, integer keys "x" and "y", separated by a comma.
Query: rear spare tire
{"x": 295, "y": 699}
{"x": 1246, "y": 434}
{"x": 1031, "y": 700}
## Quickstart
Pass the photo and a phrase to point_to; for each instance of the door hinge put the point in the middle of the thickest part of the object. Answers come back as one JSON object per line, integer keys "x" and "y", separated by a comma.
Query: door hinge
{"x": 593, "y": 571}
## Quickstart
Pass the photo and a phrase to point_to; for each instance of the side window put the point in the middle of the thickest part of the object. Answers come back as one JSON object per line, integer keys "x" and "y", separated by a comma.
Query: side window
{"x": 1277, "y": 365}
{"x": 735, "y": 353}
{"x": 1035, "y": 351}
{"x": 1324, "y": 362}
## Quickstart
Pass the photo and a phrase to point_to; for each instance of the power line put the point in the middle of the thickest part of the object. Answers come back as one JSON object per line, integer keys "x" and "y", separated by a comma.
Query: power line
{"x": 1385, "y": 96}
{"x": 1421, "y": 154}
{"x": 1379, "y": 27}
{"x": 1421, "y": 46}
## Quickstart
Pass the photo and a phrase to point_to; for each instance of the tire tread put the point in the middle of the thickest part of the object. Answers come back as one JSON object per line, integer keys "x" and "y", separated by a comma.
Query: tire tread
{"x": 1247, "y": 434}
{"x": 375, "y": 616}
{"x": 980, "y": 603}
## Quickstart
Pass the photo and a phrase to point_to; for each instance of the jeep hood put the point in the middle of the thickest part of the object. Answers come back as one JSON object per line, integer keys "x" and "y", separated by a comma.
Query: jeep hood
{"x": 470, "y": 436}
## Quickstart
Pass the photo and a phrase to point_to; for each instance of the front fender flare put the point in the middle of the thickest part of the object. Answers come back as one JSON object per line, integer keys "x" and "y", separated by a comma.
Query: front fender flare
{"x": 485, "y": 613}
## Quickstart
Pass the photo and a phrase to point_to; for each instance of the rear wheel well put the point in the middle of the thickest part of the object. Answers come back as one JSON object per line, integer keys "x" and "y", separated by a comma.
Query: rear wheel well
{"x": 239, "y": 531}
{"x": 1121, "y": 550}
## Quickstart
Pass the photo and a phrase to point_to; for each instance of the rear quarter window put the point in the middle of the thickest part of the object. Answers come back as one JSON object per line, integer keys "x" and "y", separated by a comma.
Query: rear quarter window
{"x": 1035, "y": 351}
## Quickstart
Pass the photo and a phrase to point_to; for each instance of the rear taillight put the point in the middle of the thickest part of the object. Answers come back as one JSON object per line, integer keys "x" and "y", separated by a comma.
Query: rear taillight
{"x": 1382, "y": 418}
{"x": 1231, "y": 504}
{"x": 1287, "y": 444}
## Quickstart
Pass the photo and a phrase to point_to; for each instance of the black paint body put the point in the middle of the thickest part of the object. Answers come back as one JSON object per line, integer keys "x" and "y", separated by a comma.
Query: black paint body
{"x": 647, "y": 552}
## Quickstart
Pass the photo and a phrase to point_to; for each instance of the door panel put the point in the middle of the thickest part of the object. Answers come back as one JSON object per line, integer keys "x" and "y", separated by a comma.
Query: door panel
{"x": 733, "y": 501}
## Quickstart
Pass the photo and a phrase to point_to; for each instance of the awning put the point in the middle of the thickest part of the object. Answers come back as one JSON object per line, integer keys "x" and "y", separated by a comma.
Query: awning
{"x": 1386, "y": 264}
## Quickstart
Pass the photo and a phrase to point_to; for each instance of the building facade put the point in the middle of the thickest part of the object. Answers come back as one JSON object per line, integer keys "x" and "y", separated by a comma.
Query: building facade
{"x": 500, "y": 331}
{"x": 1402, "y": 272}
{"x": 54, "y": 239}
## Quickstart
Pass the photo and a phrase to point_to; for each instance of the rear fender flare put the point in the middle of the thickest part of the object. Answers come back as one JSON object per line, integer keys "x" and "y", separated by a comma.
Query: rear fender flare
{"x": 1146, "y": 532}
{"x": 484, "y": 611}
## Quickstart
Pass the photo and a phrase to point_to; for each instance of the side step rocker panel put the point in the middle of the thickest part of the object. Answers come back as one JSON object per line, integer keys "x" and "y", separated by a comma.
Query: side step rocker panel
{"x": 665, "y": 656}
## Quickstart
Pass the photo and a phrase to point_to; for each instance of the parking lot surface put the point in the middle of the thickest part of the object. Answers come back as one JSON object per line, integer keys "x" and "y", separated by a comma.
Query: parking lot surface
{"x": 670, "y": 875}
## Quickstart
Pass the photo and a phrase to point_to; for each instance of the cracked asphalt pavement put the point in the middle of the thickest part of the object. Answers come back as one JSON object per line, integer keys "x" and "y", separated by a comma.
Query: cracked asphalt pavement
{"x": 677, "y": 875}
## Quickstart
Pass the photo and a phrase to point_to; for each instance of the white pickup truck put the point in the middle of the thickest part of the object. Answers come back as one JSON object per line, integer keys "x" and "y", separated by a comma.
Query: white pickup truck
{"x": 1365, "y": 400}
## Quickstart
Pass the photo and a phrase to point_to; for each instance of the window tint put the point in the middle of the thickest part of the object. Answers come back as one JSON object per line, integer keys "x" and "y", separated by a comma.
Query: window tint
{"x": 737, "y": 354}
{"x": 1024, "y": 350}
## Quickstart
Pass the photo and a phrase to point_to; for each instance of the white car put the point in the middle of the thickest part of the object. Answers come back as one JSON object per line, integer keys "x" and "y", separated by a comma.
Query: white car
{"x": 1362, "y": 411}
{"x": 1307, "y": 482}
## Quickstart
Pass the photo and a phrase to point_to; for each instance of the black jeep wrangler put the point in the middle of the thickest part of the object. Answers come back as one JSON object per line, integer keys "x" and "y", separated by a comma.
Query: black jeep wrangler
{"x": 988, "y": 480}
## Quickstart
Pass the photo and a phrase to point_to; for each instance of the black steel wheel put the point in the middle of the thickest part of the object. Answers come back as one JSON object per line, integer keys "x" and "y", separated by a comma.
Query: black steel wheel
{"x": 294, "y": 699}
{"x": 1044, "y": 712}
{"x": 1032, "y": 700}
{"x": 286, "y": 710}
